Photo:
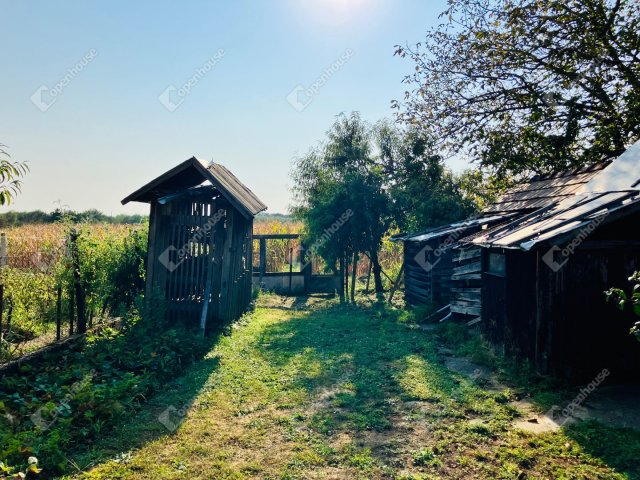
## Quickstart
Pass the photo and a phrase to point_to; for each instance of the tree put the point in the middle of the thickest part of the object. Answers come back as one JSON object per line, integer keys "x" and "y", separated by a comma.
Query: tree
{"x": 10, "y": 174}
{"x": 341, "y": 177}
{"x": 384, "y": 176}
{"x": 423, "y": 192}
{"x": 529, "y": 85}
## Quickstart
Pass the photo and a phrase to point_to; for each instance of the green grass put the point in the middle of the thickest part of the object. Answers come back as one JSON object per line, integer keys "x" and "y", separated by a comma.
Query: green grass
{"x": 320, "y": 390}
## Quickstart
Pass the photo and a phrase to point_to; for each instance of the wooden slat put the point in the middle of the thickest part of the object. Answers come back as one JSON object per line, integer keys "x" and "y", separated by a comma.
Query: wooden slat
{"x": 465, "y": 309}
{"x": 467, "y": 254}
{"x": 470, "y": 268}
{"x": 467, "y": 290}
{"x": 468, "y": 297}
{"x": 467, "y": 276}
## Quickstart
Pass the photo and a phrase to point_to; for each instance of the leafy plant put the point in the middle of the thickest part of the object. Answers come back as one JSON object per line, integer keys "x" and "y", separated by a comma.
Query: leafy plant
{"x": 69, "y": 398}
{"x": 631, "y": 300}
{"x": 10, "y": 174}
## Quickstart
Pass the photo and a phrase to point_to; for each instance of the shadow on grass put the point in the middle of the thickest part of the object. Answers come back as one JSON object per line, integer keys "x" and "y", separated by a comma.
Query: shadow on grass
{"x": 358, "y": 361}
{"x": 161, "y": 412}
{"x": 357, "y": 365}
{"x": 616, "y": 446}
{"x": 90, "y": 401}
{"x": 161, "y": 415}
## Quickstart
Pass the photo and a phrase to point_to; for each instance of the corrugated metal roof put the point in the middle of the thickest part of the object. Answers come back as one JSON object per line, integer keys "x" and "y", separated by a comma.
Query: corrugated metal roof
{"x": 564, "y": 203}
{"x": 553, "y": 205}
{"x": 540, "y": 191}
{"x": 452, "y": 229}
{"x": 565, "y": 217}
{"x": 622, "y": 174}
{"x": 194, "y": 172}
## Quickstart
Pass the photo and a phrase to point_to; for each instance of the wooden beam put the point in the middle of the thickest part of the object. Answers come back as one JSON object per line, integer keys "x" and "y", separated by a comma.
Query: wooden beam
{"x": 396, "y": 283}
{"x": 276, "y": 236}
{"x": 205, "y": 306}
{"x": 263, "y": 258}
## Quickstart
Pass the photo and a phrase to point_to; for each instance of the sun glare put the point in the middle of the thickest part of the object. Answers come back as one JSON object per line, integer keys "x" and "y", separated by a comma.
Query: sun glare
{"x": 335, "y": 12}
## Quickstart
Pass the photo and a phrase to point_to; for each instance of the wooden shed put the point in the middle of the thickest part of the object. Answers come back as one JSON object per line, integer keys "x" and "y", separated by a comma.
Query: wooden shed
{"x": 534, "y": 281}
{"x": 545, "y": 273}
{"x": 200, "y": 242}
{"x": 429, "y": 260}
{"x": 446, "y": 273}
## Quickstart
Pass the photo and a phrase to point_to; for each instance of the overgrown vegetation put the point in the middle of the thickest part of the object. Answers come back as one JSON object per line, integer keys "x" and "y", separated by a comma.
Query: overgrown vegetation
{"x": 56, "y": 408}
{"x": 111, "y": 274}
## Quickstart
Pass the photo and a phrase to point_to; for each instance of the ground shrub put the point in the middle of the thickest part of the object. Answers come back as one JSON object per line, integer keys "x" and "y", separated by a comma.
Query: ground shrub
{"x": 61, "y": 403}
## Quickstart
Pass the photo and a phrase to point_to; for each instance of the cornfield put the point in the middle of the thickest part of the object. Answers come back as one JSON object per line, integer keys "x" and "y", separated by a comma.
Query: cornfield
{"x": 37, "y": 265}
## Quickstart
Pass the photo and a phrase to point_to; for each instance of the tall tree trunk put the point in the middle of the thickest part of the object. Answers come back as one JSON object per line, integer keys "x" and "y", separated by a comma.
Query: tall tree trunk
{"x": 345, "y": 278}
{"x": 353, "y": 276}
{"x": 377, "y": 272}
{"x": 341, "y": 269}
{"x": 366, "y": 290}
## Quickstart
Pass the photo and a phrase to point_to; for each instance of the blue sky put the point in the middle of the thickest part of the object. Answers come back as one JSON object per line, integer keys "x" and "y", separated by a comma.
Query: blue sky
{"x": 121, "y": 116}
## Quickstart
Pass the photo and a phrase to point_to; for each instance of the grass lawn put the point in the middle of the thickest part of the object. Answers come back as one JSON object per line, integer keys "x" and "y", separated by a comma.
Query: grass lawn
{"x": 307, "y": 388}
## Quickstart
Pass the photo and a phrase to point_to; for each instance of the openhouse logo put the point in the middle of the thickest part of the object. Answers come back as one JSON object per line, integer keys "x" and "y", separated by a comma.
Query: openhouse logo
{"x": 301, "y": 97}
{"x": 45, "y": 97}
{"x": 556, "y": 258}
{"x": 172, "y": 97}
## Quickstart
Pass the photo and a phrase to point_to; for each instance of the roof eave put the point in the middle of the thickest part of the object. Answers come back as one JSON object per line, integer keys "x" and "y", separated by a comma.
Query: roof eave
{"x": 133, "y": 197}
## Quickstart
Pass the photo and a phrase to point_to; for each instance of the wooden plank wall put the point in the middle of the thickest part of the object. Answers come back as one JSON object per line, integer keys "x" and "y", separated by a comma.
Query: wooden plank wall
{"x": 417, "y": 280}
{"x": 508, "y": 303}
{"x": 215, "y": 240}
{"x": 578, "y": 332}
{"x": 467, "y": 282}
{"x": 442, "y": 283}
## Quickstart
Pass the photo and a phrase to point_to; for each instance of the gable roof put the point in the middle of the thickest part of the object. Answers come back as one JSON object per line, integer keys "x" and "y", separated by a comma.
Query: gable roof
{"x": 538, "y": 192}
{"x": 194, "y": 172}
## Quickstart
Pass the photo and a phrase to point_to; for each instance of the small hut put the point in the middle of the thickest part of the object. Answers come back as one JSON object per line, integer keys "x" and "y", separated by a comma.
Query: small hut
{"x": 429, "y": 260}
{"x": 200, "y": 242}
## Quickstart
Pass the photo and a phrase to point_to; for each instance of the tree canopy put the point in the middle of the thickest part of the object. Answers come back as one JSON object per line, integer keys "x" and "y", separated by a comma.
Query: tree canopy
{"x": 340, "y": 179}
{"x": 364, "y": 180}
{"x": 423, "y": 193}
{"x": 529, "y": 85}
